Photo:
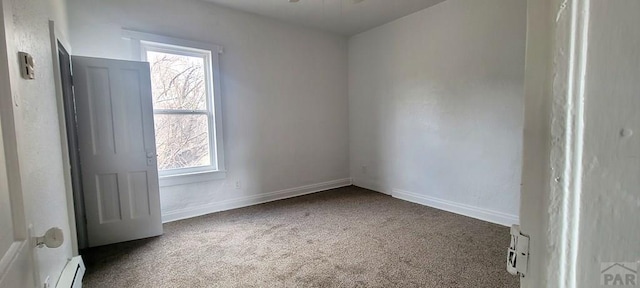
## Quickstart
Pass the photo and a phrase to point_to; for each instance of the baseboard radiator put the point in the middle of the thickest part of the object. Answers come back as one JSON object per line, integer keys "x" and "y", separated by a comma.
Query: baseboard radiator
{"x": 72, "y": 274}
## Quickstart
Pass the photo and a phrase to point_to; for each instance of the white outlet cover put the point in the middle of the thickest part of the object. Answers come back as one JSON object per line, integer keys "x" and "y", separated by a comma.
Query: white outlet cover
{"x": 27, "y": 66}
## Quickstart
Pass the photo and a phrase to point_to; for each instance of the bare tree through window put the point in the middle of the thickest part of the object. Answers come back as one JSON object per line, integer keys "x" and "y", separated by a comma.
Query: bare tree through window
{"x": 179, "y": 90}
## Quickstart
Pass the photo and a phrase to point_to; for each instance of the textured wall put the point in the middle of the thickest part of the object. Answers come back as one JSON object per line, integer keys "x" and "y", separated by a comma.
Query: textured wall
{"x": 580, "y": 196}
{"x": 610, "y": 200}
{"x": 436, "y": 105}
{"x": 284, "y": 91}
{"x": 37, "y": 128}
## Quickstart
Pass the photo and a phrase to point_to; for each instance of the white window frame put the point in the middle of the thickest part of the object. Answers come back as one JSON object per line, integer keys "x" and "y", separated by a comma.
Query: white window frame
{"x": 141, "y": 43}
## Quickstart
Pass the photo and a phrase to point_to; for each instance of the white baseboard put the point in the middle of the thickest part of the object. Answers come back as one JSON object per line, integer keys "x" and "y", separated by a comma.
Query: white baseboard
{"x": 371, "y": 186}
{"x": 446, "y": 205}
{"x": 200, "y": 210}
{"x": 458, "y": 208}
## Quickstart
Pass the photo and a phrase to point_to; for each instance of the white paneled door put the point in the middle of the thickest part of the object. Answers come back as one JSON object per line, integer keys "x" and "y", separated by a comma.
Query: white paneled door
{"x": 117, "y": 149}
{"x": 16, "y": 267}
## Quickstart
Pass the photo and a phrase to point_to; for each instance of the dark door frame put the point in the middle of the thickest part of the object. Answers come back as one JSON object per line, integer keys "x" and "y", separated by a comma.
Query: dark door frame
{"x": 66, "y": 78}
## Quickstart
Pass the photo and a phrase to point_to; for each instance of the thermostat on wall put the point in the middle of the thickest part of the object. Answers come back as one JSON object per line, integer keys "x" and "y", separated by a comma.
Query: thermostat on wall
{"x": 26, "y": 66}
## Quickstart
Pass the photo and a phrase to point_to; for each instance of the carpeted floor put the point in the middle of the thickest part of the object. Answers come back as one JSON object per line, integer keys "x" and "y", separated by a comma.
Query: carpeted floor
{"x": 346, "y": 237}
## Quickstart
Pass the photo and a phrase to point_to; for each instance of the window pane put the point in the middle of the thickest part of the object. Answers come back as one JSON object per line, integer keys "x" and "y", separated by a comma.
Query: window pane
{"x": 182, "y": 141}
{"x": 177, "y": 82}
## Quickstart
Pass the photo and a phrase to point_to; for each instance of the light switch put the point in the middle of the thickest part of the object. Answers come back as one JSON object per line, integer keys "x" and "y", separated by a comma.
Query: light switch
{"x": 27, "y": 66}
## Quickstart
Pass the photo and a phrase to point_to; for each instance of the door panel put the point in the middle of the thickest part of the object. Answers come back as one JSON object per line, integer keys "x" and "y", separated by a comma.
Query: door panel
{"x": 117, "y": 149}
{"x": 16, "y": 268}
{"x": 137, "y": 181}
{"x": 135, "y": 125}
{"x": 108, "y": 198}
{"x": 100, "y": 107}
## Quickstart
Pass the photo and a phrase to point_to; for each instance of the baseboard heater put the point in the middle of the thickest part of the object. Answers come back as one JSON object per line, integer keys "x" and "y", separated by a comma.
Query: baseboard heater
{"x": 72, "y": 274}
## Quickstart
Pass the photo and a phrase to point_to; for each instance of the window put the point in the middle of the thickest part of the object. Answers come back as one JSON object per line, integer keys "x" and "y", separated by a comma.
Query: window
{"x": 186, "y": 107}
{"x": 182, "y": 108}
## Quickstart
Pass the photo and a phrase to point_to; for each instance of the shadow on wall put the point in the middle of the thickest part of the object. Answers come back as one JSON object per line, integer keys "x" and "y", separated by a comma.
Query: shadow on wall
{"x": 436, "y": 103}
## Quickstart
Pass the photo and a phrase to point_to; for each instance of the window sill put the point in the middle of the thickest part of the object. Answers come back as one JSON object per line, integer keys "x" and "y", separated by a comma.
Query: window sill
{"x": 188, "y": 178}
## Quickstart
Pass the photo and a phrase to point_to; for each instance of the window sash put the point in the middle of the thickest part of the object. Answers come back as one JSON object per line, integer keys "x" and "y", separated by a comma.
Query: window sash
{"x": 210, "y": 96}
{"x": 194, "y": 169}
{"x": 178, "y": 111}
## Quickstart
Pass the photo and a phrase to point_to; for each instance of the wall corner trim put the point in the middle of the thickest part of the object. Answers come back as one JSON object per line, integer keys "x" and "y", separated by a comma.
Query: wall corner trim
{"x": 240, "y": 202}
{"x": 441, "y": 204}
{"x": 372, "y": 186}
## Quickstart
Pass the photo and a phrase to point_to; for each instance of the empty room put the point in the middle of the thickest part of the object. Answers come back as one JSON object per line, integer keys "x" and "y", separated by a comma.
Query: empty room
{"x": 319, "y": 143}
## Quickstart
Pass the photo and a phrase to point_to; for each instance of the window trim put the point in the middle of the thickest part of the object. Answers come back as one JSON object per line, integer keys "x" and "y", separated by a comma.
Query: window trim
{"x": 143, "y": 42}
{"x": 145, "y": 47}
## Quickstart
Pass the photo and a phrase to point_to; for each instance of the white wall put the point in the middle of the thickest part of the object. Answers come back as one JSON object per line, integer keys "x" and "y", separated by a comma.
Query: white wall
{"x": 580, "y": 191}
{"x": 36, "y": 120}
{"x": 436, "y": 107}
{"x": 284, "y": 92}
{"x": 610, "y": 198}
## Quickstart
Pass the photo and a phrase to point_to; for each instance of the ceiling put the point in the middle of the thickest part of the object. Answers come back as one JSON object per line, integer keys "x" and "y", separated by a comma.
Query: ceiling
{"x": 346, "y": 17}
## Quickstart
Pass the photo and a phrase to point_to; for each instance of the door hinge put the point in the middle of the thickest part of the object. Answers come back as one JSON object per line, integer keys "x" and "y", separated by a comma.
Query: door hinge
{"x": 518, "y": 252}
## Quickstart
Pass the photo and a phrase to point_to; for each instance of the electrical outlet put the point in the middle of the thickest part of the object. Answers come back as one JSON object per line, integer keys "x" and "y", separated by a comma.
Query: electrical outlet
{"x": 238, "y": 184}
{"x": 27, "y": 66}
{"x": 364, "y": 169}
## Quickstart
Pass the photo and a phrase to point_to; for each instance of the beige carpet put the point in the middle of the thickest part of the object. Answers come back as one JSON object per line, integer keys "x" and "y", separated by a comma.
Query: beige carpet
{"x": 347, "y": 237}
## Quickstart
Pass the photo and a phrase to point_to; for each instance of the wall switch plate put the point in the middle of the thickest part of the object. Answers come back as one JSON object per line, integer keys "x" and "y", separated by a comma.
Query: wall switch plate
{"x": 27, "y": 66}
